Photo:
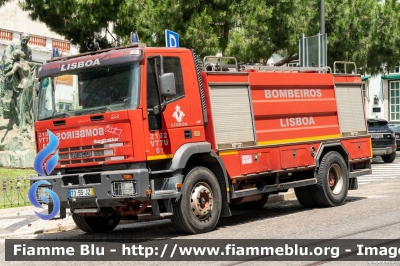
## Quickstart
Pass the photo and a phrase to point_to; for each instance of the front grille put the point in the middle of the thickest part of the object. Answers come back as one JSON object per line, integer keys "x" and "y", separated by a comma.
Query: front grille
{"x": 88, "y": 153}
{"x": 123, "y": 188}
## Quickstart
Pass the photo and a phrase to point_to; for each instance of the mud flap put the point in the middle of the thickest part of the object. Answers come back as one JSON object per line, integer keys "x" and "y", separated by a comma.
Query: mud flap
{"x": 353, "y": 183}
{"x": 63, "y": 211}
{"x": 225, "y": 210}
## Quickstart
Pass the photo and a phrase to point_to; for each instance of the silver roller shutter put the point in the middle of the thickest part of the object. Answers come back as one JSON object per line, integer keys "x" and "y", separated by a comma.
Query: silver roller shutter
{"x": 350, "y": 109}
{"x": 232, "y": 114}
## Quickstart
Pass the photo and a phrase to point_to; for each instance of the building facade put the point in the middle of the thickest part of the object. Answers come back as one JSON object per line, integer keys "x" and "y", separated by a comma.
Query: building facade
{"x": 382, "y": 95}
{"x": 14, "y": 21}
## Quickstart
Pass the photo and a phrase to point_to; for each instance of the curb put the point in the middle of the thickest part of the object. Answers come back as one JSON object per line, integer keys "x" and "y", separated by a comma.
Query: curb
{"x": 282, "y": 196}
{"x": 58, "y": 229}
{"x": 37, "y": 232}
{"x": 15, "y": 209}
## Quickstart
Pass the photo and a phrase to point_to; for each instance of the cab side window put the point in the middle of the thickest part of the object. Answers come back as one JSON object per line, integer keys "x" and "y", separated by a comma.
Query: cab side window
{"x": 171, "y": 65}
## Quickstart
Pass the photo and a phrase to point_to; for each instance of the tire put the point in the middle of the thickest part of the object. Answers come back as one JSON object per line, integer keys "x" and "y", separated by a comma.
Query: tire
{"x": 389, "y": 158}
{"x": 97, "y": 224}
{"x": 304, "y": 196}
{"x": 199, "y": 208}
{"x": 332, "y": 181}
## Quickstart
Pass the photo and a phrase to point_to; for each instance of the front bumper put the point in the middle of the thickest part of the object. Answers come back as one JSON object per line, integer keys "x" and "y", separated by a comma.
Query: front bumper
{"x": 104, "y": 185}
{"x": 383, "y": 151}
{"x": 398, "y": 143}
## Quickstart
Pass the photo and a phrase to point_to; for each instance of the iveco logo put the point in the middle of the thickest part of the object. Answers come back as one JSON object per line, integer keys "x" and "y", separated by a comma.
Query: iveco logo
{"x": 80, "y": 154}
{"x": 80, "y": 64}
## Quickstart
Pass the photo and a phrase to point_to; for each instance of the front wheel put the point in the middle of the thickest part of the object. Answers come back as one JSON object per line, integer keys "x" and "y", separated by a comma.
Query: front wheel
{"x": 97, "y": 224}
{"x": 389, "y": 158}
{"x": 199, "y": 208}
{"x": 332, "y": 181}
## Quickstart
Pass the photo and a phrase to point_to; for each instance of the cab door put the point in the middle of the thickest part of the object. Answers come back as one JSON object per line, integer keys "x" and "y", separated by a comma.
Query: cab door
{"x": 173, "y": 124}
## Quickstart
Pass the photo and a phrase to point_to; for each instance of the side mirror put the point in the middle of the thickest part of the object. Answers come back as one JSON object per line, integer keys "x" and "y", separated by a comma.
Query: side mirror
{"x": 167, "y": 84}
{"x": 35, "y": 108}
{"x": 36, "y": 85}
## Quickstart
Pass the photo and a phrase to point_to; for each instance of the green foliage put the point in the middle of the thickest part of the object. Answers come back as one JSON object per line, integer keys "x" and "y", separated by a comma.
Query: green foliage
{"x": 11, "y": 174}
{"x": 270, "y": 27}
{"x": 203, "y": 25}
{"x": 385, "y": 37}
{"x": 365, "y": 32}
{"x": 348, "y": 25}
{"x": 77, "y": 20}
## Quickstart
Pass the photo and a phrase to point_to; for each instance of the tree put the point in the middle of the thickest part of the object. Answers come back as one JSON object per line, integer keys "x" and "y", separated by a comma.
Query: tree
{"x": 203, "y": 25}
{"x": 77, "y": 20}
{"x": 350, "y": 25}
{"x": 2, "y": 2}
{"x": 385, "y": 38}
{"x": 365, "y": 32}
{"x": 270, "y": 27}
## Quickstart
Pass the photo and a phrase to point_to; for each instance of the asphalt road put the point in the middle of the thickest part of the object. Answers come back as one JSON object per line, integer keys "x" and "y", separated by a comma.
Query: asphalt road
{"x": 371, "y": 212}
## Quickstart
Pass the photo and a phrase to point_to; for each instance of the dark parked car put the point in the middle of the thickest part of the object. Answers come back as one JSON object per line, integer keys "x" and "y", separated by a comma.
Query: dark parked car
{"x": 395, "y": 126}
{"x": 383, "y": 139}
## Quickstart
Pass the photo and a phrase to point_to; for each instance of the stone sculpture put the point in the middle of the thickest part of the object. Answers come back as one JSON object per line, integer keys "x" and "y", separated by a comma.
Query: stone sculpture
{"x": 17, "y": 144}
{"x": 22, "y": 99}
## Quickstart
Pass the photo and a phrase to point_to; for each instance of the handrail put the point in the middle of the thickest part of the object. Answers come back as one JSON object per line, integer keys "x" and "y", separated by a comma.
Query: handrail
{"x": 218, "y": 67}
{"x": 345, "y": 63}
{"x": 325, "y": 69}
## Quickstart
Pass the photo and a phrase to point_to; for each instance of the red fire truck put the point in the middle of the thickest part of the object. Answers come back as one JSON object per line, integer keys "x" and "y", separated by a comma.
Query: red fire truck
{"x": 154, "y": 132}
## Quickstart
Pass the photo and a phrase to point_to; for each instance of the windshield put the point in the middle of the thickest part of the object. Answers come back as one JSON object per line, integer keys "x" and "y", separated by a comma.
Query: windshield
{"x": 395, "y": 127}
{"x": 87, "y": 91}
{"x": 377, "y": 124}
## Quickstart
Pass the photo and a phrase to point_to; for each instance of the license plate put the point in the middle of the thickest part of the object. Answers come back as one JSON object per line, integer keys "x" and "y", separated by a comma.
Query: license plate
{"x": 80, "y": 192}
{"x": 378, "y": 136}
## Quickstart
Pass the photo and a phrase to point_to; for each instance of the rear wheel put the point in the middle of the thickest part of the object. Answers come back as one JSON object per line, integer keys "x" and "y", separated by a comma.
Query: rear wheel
{"x": 97, "y": 224}
{"x": 389, "y": 158}
{"x": 199, "y": 208}
{"x": 304, "y": 196}
{"x": 332, "y": 181}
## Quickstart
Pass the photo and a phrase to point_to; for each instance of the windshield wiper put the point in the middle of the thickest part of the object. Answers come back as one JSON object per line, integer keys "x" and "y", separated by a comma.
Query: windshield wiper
{"x": 60, "y": 114}
{"x": 102, "y": 109}
{"x": 57, "y": 114}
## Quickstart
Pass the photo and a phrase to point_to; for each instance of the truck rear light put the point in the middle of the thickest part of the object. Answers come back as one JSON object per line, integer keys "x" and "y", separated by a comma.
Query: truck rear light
{"x": 124, "y": 188}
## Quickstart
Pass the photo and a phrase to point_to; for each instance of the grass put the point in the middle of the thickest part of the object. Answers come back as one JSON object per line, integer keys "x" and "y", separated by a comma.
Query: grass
{"x": 11, "y": 174}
